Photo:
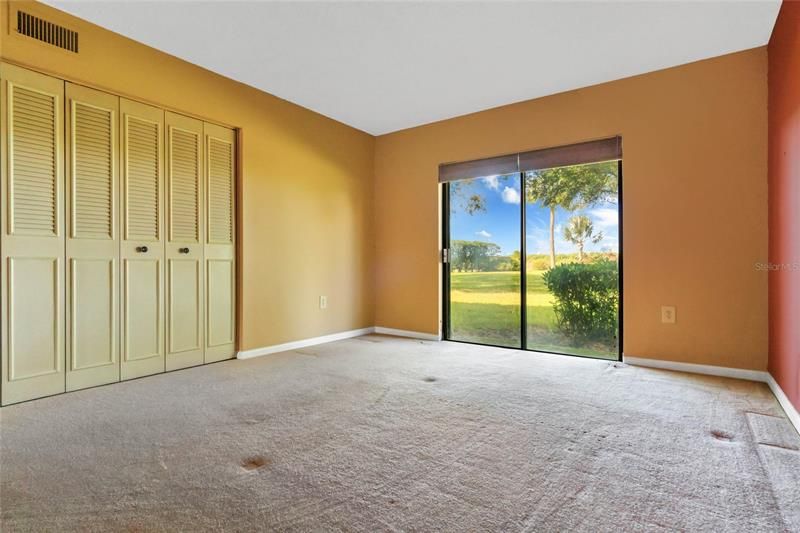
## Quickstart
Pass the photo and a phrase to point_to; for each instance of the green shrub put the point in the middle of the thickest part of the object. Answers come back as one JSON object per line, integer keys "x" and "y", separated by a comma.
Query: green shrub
{"x": 586, "y": 299}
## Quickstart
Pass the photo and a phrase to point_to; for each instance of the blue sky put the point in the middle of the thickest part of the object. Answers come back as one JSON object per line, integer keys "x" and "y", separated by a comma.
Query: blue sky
{"x": 500, "y": 222}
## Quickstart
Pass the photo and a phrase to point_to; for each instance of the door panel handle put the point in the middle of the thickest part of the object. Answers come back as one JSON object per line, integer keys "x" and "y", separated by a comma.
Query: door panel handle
{"x": 183, "y": 250}
{"x": 141, "y": 249}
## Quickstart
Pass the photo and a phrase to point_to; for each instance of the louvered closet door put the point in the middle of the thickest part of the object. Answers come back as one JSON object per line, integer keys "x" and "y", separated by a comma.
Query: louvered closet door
{"x": 32, "y": 235}
{"x": 142, "y": 247}
{"x": 92, "y": 238}
{"x": 220, "y": 251}
{"x": 184, "y": 248}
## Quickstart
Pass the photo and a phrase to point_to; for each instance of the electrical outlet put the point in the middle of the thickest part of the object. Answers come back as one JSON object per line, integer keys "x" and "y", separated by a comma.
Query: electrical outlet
{"x": 667, "y": 314}
{"x": 323, "y": 302}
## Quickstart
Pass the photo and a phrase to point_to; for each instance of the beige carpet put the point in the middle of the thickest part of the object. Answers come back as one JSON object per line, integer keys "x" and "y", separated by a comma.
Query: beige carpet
{"x": 379, "y": 433}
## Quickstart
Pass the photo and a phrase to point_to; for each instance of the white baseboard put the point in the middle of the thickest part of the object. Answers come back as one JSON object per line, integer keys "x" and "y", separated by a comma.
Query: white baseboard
{"x": 285, "y": 347}
{"x": 788, "y": 408}
{"x": 294, "y": 345}
{"x": 738, "y": 373}
{"x": 405, "y": 333}
{"x": 710, "y": 370}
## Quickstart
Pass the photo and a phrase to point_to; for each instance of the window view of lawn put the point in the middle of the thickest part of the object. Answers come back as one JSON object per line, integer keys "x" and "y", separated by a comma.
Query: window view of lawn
{"x": 571, "y": 237}
{"x": 485, "y": 309}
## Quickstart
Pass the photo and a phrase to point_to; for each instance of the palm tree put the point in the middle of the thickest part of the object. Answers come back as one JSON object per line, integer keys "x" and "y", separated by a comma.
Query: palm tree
{"x": 571, "y": 188}
{"x": 580, "y": 229}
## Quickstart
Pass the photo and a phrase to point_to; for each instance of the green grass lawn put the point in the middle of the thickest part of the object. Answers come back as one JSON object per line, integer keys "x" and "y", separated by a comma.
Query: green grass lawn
{"x": 485, "y": 308}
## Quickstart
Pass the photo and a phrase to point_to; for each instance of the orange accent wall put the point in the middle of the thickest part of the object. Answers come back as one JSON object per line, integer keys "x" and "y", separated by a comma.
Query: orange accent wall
{"x": 306, "y": 180}
{"x": 695, "y": 194}
{"x": 784, "y": 201}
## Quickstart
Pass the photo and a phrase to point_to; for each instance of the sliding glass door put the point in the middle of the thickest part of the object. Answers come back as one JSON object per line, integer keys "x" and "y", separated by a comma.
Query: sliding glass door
{"x": 572, "y": 267}
{"x": 485, "y": 281}
{"x": 533, "y": 259}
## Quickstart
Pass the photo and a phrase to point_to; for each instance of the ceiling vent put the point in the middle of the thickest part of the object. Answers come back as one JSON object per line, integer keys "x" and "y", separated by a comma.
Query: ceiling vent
{"x": 47, "y": 32}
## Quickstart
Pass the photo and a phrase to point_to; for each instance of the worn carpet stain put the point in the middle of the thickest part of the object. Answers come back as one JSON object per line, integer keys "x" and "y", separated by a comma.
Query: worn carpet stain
{"x": 721, "y": 435}
{"x": 357, "y": 439}
{"x": 255, "y": 462}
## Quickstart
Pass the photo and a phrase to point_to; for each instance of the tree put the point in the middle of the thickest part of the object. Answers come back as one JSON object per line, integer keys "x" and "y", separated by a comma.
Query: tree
{"x": 571, "y": 188}
{"x": 516, "y": 260}
{"x": 472, "y": 255}
{"x": 463, "y": 198}
{"x": 578, "y": 231}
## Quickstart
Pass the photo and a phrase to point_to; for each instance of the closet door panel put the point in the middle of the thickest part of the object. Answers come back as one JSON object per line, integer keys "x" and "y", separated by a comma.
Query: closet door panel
{"x": 142, "y": 246}
{"x": 143, "y": 317}
{"x": 220, "y": 246}
{"x": 32, "y": 242}
{"x": 93, "y": 313}
{"x": 33, "y": 322}
{"x": 92, "y": 246}
{"x": 221, "y": 302}
{"x": 184, "y": 247}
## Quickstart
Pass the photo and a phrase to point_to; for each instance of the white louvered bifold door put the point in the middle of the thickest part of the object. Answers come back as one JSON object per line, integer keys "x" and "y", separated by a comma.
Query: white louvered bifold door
{"x": 142, "y": 247}
{"x": 32, "y": 235}
{"x": 184, "y": 246}
{"x": 92, "y": 237}
{"x": 220, "y": 248}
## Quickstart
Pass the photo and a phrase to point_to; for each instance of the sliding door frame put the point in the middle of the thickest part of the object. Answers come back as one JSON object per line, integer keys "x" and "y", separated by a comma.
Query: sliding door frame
{"x": 445, "y": 261}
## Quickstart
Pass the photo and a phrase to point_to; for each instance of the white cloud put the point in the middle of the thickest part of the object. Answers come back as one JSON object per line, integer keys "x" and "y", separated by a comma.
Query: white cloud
{"x": 483, "y": 233}
{"x": 491, "y": 182}
{"x": 605, "y": 217}
{"x": 510, "y": 196}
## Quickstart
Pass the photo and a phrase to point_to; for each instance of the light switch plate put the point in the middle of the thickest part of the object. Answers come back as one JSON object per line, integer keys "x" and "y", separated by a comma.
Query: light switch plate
{"x": 667, "y": 314}
{"x": 323, "y": 302}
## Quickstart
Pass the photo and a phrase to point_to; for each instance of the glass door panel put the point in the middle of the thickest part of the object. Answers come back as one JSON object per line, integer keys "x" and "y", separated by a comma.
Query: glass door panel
{"x": 484, "y": 234}
{"x": 572, "y": 265}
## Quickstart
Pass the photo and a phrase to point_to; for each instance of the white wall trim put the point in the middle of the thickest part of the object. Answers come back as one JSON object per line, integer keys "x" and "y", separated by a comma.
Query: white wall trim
{"x": 710, "y": 370}
{"x": 738, "y": 373}
{"x": 285, "y": 347}
{"x": 788, "y": 408}
{"x": 409, "y": 334}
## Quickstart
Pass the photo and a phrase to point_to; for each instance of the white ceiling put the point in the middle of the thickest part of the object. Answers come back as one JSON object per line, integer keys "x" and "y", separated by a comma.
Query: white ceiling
{"x": 385, "y": 66}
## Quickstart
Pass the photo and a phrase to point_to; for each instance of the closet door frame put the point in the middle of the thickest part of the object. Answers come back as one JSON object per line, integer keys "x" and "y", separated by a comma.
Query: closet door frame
{"x": 220, "y": 254}
{"x": 26, "y": 254}
{"x": 141, "y": 257}
{"x": 91, "y": 257}
{"x": 185, "y": 294}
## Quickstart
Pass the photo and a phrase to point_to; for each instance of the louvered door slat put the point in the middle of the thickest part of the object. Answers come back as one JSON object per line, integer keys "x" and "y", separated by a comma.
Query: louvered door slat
{"x": 184, "y": 185}
{"x": 142, "y": 179}
{"x": 220, "y": 189}
{"x": 93, "y": 175}
{"x": 34, "y": 166}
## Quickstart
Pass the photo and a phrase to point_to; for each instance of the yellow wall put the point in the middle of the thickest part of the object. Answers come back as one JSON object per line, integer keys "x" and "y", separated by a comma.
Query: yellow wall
{"x": 695, "y": 205}
{"x": 306, "y": 180}
{"x": 331, "y": 210}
